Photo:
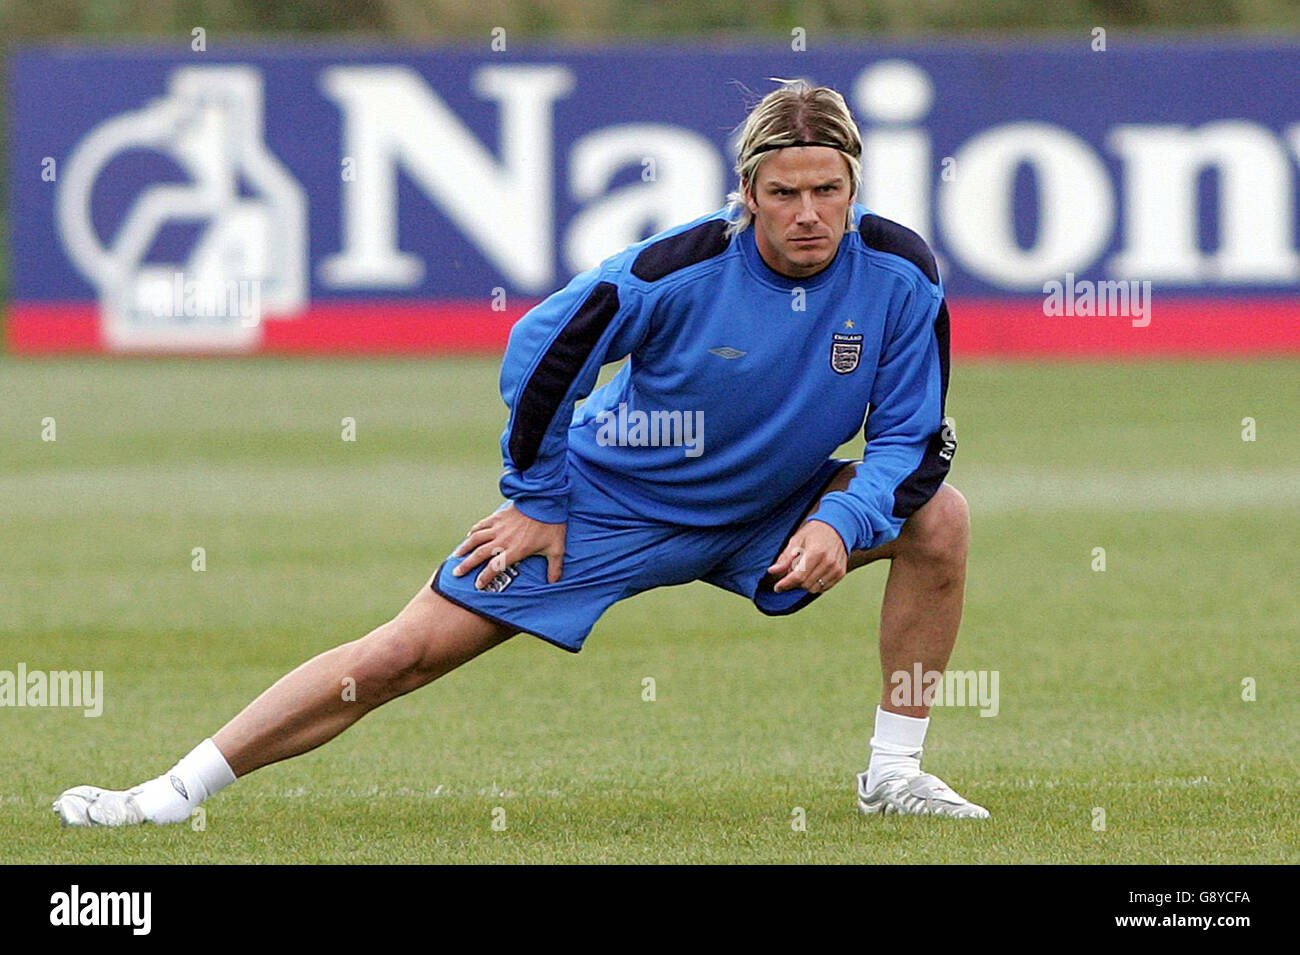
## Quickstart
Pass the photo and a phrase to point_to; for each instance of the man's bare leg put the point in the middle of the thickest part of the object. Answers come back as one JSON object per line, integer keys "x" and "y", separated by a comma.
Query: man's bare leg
{"x": 304, "y": 709}
{"x": 327, "y": 694}
{"x": 922, "y": 607}
{"x": 921, "y": 611}
{"x": 919, "y": 619}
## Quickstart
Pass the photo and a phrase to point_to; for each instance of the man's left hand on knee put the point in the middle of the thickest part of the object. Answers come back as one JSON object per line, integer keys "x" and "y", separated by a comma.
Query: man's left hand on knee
{"x": 815, "y": 559}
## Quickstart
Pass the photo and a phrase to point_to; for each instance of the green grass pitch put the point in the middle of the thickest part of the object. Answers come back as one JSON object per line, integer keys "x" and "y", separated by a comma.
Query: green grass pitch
{"x": 1120, "y": 690}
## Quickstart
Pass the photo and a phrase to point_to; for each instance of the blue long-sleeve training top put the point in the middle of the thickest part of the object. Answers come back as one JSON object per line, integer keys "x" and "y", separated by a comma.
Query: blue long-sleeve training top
{"x": 741, "y": 381}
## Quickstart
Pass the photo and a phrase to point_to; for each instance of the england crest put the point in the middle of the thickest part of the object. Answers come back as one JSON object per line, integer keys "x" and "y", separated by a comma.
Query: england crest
{"x": 503, "y": 580}
{"x": 846, "y": 352}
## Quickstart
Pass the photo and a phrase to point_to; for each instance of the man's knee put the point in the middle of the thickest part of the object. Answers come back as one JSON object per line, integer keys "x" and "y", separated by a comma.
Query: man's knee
{"x": 428, "y": 638}
{"x": 939, "y": 531}
{"x": 390, "y": 660}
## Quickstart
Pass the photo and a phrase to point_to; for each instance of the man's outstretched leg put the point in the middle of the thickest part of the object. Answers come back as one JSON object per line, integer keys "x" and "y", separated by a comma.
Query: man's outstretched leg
{"x": 303, "y": 709}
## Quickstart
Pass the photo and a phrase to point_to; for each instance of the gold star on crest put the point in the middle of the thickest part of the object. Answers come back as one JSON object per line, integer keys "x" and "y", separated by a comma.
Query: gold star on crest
{"x": 848, "y": 323}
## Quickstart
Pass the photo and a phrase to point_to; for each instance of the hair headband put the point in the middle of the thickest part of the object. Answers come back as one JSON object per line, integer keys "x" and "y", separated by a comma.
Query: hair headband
{"x": 798, "y": 142}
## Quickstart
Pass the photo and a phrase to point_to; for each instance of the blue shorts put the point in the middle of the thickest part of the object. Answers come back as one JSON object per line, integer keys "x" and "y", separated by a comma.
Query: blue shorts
{"x": 610, "y": 555}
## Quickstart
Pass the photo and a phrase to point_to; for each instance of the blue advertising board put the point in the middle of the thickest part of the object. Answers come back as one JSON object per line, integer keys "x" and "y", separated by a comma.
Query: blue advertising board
{"x": 378, "y": 198}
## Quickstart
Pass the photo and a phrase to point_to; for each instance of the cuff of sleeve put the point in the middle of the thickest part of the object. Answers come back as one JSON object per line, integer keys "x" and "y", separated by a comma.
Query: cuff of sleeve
{"x": 841, "y": 517}
{"x": 548, "y": 510}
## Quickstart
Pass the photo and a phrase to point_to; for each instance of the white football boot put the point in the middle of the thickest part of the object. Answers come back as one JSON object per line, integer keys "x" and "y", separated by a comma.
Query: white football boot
{"x": 92, "y": 806}
{"x": 921, "y": 795}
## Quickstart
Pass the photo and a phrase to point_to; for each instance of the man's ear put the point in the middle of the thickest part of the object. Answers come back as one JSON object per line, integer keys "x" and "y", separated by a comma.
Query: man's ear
{"x": 749, "y": 200}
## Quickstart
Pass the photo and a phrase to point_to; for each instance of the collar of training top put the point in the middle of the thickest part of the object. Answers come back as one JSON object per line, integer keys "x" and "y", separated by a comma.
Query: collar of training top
{"x": 799, "y": 142}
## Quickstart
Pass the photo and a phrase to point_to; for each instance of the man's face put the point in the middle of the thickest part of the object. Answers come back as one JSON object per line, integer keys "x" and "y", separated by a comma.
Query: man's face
{"x": 800, "y": 201}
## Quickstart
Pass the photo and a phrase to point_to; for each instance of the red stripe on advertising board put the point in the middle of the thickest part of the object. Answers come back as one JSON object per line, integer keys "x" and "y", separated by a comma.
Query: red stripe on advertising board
{"x": 994, "y": 328}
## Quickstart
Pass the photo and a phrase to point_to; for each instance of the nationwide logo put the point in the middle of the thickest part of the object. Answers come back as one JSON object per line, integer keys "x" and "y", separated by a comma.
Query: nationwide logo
{"x": 250, "y": 258}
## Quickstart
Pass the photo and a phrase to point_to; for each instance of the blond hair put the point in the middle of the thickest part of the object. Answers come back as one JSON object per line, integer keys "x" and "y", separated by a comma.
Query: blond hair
{"x": 797, "y": 112}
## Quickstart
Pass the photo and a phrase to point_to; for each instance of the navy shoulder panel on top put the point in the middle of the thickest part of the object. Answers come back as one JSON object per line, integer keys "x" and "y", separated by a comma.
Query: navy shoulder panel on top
{"x": 676, "y": 252}
{"x": 885, "y": 235}
{"x": 554, "y": 374}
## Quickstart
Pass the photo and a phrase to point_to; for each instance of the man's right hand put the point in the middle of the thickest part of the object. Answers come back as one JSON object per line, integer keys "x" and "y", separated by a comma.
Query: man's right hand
{"x": 506, "y": 537}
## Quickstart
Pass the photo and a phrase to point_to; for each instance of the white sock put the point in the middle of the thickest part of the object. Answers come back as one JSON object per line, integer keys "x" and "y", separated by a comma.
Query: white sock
{"x": 177, "y": 793}
{"x": 896, "y": 747}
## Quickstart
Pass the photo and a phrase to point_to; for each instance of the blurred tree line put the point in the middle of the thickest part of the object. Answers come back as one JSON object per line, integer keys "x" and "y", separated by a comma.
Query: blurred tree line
{"x": 431, "y": 20}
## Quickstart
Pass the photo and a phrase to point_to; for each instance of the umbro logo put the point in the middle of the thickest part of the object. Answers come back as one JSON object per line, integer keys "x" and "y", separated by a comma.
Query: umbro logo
{"x": 727, "y": 352}
{"x": 178, "y": 786}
